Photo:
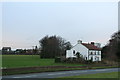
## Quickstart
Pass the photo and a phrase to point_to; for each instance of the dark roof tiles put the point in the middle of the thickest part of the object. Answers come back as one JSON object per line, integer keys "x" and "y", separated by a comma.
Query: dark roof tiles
{"x": 91, "y": 46}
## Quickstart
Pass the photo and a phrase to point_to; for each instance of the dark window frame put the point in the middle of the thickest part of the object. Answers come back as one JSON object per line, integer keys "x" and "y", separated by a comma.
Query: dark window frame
{"x": 73, "y": 51}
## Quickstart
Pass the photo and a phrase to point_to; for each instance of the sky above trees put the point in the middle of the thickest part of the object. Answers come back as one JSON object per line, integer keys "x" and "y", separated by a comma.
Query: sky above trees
{"x": 25, "y": 23}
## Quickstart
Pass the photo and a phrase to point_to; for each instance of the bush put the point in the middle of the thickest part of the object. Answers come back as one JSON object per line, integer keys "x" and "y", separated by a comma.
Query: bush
{"x": 57, "y": 59}
{"x": 88, "y": 62}
{"x": 109, "y": 62}
{"x": 74, "y": 60}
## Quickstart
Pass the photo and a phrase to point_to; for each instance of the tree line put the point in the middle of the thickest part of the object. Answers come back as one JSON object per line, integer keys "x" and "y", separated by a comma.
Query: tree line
{"x": 53, "y": 46}
{"x": 56, "y": 46}
{"x": 111, "y": 51}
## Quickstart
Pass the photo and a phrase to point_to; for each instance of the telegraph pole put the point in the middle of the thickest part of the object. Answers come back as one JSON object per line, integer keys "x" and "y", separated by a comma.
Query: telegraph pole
{"x": 33, "y": 50}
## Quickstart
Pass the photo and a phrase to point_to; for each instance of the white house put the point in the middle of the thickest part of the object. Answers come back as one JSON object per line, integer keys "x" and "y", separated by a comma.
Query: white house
{"x": 89, "y": 51}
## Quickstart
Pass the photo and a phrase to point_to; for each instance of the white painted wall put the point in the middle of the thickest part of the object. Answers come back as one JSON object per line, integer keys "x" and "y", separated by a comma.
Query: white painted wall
{"x": 69, "y": 53}
{"x": 78, "y": 48}
{"x": 85, "y": 52}
{"x": 95, "y": 56}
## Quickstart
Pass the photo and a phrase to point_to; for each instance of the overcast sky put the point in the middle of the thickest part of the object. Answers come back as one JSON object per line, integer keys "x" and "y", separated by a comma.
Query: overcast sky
{"x": 25, "y": 23}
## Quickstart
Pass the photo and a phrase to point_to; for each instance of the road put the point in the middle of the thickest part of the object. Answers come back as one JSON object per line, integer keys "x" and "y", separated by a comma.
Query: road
{"x": 62, "y": 73}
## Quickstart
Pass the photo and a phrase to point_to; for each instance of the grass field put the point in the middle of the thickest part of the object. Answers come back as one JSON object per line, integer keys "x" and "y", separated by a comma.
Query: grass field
{"x": 17, "y": 61}
{"x": 0, "y": 60}
{"x": 98, "y": 75}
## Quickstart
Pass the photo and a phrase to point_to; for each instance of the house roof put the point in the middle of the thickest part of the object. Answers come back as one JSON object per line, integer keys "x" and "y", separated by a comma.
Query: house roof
{"x": 91, "y": 46}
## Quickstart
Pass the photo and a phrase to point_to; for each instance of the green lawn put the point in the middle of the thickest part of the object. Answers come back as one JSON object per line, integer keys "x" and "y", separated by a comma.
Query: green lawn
{"x": 0, "y": 60}
{"x": 98, "y": 75}
{"x": 18, "y": 61}
{"x": 15, "y": 61}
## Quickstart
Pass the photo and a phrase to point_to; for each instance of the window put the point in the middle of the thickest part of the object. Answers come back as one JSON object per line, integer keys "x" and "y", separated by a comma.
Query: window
{"x": 73, "y": 51}
{"x": 95, "y": 53}
{"x": 91, "y": 53}
{"x": 97, "y": 59}
{"x": 98, "y": 52}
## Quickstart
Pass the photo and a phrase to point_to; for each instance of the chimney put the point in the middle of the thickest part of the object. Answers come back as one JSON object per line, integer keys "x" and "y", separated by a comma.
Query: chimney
{"x": 92, "y": 43}
{"x": 79, "y": 41}
{"x": 98, "y": 45}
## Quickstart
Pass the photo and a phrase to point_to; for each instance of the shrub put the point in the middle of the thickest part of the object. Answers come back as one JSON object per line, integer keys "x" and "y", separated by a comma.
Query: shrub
{"x": 57, "y": 59}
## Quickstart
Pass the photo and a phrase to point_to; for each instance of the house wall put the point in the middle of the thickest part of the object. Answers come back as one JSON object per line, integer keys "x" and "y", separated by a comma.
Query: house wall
{"x": 95, "y": 56}
{"x": 85, "y": 52}
{"x": 77, "y": 48}
{"x": 69, "y": 53}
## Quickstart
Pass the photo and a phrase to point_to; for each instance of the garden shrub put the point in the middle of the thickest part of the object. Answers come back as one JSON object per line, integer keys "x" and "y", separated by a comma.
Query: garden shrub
{"x": 57, "y": 59}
